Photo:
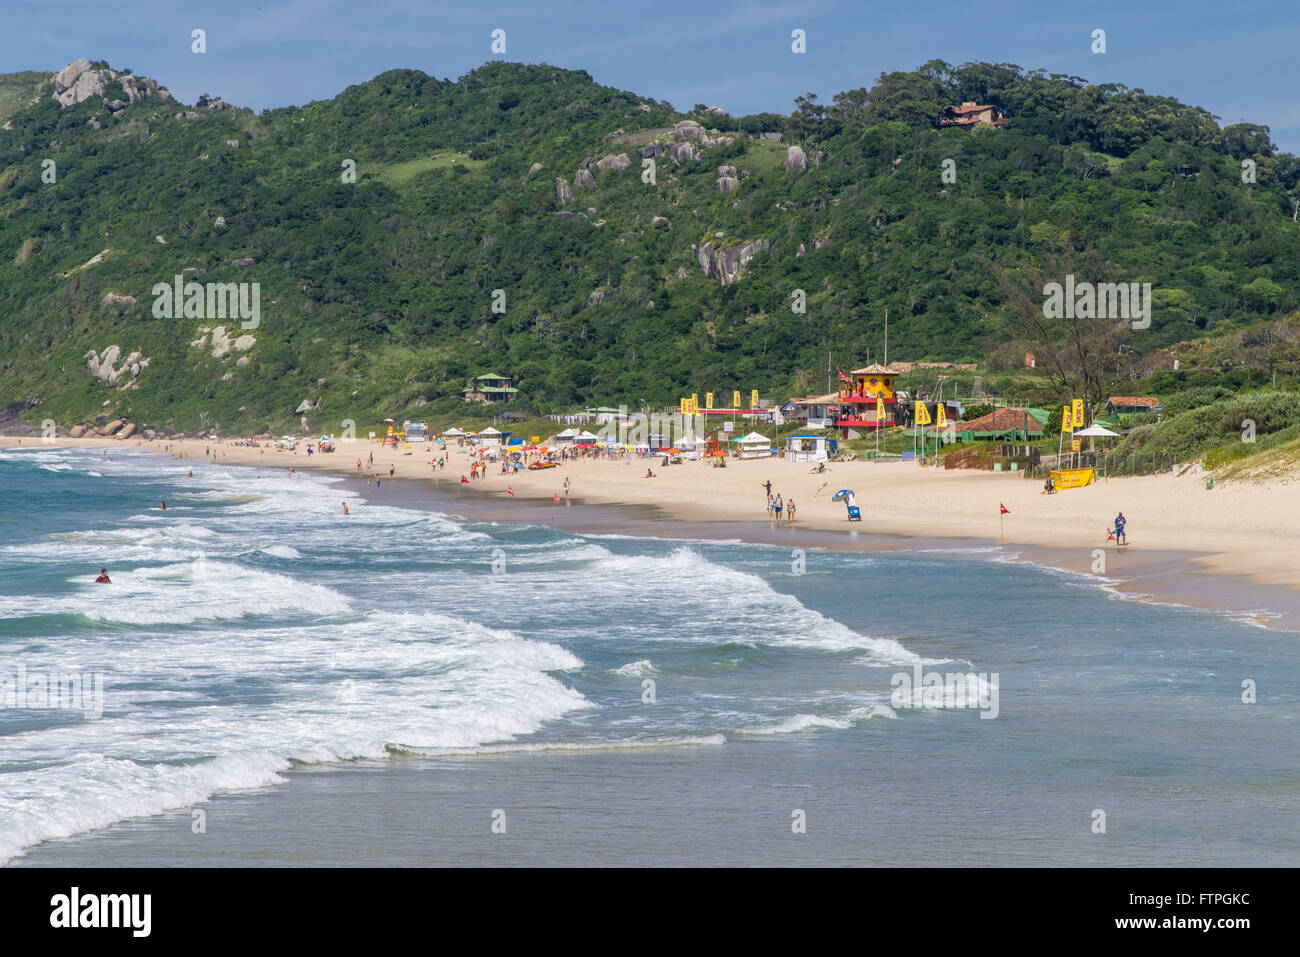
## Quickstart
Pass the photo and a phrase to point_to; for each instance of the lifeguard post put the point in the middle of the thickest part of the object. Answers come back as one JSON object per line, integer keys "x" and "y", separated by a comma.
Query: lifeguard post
{"x": 858, "y": 399}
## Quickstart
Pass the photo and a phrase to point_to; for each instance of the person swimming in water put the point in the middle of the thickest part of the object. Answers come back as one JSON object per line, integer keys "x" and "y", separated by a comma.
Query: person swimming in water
{"x": 345, "y": 509}
{"x": 162, "y": 505}
{"x": 103, "y": 578}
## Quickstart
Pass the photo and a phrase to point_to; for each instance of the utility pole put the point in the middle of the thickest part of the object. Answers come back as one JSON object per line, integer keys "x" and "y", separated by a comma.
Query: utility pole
{"x": 886, "y": 337}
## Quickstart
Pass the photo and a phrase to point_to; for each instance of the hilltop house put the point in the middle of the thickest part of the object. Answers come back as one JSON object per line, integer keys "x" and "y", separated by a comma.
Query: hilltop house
{"x": 970, "y": 114}
{"x": 490, "y": 388}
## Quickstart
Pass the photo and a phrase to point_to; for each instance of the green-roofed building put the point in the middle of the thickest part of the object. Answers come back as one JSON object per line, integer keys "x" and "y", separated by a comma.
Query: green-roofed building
{"x": 490, "y": 387}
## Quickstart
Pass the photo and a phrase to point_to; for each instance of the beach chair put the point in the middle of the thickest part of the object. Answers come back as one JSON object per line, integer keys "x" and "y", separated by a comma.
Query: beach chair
{"x": 855, "y": 513}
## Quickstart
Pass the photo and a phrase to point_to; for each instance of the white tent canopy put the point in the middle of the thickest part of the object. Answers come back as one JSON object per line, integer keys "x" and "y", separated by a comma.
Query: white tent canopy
{"x": 754, "y": 438}
{"x": 453, "y": 431}
{"x": 489, "y": 431}
{"x": 1100, "y": 431}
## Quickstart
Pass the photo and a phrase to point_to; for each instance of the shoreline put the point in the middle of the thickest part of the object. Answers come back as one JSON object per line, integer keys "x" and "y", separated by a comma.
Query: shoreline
{"x": 1240, "y": 561}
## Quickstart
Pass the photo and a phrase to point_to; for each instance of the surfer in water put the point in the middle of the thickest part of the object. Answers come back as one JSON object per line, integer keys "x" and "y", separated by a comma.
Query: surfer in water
{"x": 103, "y": 578}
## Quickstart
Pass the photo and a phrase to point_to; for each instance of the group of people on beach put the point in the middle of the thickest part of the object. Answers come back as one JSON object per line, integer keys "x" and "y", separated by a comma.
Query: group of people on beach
{"x": 776, "y": 506}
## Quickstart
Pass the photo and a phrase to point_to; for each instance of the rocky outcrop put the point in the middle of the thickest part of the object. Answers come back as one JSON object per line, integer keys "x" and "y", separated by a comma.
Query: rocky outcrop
{"x": 654, "y": 149}
{"x": 615, "y": 163}
{"x": 682, "y": 152}
{"x": 727, "y": 183}
{"x": 241, "y": 263}
{"x": 600, "y": 295}
{"x": 79, "y": 81}
{"x": 727, "y": 171}
{"x": 796, "y": 158}
{"x": 534, "y": 168}
{"x": 220, "y": 223}
{"x": 583, "y": 180}
{"x": 104, "y": 366}
{"x": 113, "y": 299}
{"x": 725, "y": 265}
{"x": 687, "y": 130}
{"x": 128, "y": 430}
{"x": 112, "y": 427}
{"x": 563, "y": 195}
{"x": 303, "y": 406}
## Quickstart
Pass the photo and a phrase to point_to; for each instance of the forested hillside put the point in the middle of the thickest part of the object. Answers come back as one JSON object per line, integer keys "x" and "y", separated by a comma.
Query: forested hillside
{"x": 377, "y": 291}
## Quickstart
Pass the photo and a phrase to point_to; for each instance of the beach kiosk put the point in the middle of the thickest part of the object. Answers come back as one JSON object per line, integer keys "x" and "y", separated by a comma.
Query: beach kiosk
{"x": 491, "y": 438}
{"x": 567, "y": 438}
{"x": 808, "y": 448}
{"x": 754, "y": 446}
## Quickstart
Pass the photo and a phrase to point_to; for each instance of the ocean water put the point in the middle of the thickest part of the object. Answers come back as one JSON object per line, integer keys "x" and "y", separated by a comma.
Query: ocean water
{"x": 253, "y": 629}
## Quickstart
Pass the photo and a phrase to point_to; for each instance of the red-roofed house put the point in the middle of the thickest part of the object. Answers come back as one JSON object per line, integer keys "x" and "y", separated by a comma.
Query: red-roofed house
{"x": 1128, "y": 404}
{"x": 969, "y": 114}
{"x": 1002, "y": 423}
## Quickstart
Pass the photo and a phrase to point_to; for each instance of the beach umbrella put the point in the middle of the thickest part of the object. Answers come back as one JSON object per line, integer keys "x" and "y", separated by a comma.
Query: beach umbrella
{"x": 841, "y": 494}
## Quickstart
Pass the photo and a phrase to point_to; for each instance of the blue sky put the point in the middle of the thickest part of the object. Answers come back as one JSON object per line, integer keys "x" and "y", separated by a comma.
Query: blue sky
{"x": 1236, "y": 59}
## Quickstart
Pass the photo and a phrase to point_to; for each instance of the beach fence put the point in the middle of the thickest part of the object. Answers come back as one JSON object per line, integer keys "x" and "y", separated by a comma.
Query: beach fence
{"x": 1107, "y": 464}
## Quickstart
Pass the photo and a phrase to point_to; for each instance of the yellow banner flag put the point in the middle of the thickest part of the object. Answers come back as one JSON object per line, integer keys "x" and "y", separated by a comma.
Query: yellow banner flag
{"x": 939, "y": 421}
{"x": 682, "y": 406}
{"x": 753, "y": 398}
{"x": 735, "y": 398}
{"x": 708, "y": 400}
{"x": 922, "y": 414}
{"x": 1078, "y": 413}
{"x": 1066, "y": 418}
{"x": 880, "y": 410}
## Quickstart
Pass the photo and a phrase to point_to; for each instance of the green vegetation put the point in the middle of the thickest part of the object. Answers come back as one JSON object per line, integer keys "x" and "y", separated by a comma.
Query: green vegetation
{"x": 376, "y": 296}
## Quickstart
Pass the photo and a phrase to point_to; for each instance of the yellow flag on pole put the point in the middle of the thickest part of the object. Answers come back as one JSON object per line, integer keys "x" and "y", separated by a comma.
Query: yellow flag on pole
{"x": 753, "y": 398}
{"x": 1066, "y": 419}
{"x": 735, "y": 398}
{"x": 922, "y": 414}
{"x": 880, "y": 410}
{"x": 1077, "y": 413}
{"x": 939, "y": 421}
{"x": 708, "y": 400}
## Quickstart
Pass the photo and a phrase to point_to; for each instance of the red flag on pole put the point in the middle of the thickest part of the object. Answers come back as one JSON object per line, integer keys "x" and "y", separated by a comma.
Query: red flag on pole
{"x": 844, "y": 378}
{"x": 1005, "y": 510}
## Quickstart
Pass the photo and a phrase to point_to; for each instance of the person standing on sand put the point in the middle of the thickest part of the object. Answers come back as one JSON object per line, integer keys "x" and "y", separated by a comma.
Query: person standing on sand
{"x": 789, "y": 511}
{"x": 767, "y": 489}
{"x": 391, "y": 470}
{"x": 776, "y": 506}
{"x": 566, "y": 488}
{"x": 1120, "y": 522}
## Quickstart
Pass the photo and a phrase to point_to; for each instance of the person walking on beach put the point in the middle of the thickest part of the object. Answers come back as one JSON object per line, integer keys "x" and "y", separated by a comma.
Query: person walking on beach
{"x": 769, "y": 505}
{"x": 1120, "y": 522}
{"x": 566, "y": 487}
{"x": 391, "y": 470}
{"x": 776, "y": 506}
{"x": 767, "y": 489}
{"x": 789, "y": 511}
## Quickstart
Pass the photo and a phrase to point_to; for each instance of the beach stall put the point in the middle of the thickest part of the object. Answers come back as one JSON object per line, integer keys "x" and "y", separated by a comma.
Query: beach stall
{"x": 689, "y": 447}
{"x": 754, "y": 446}
{"x": 808, "y": 448}
{"x": 585, "y": 439}
{"x": 567, "y": 438}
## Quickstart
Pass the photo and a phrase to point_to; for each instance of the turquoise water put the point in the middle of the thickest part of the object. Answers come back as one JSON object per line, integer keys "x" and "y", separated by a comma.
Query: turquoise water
{"x": 253, "y": 627}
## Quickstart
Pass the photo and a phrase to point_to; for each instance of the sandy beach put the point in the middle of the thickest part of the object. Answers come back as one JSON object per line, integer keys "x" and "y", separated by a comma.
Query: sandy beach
{"x": 1240, "y": 532}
